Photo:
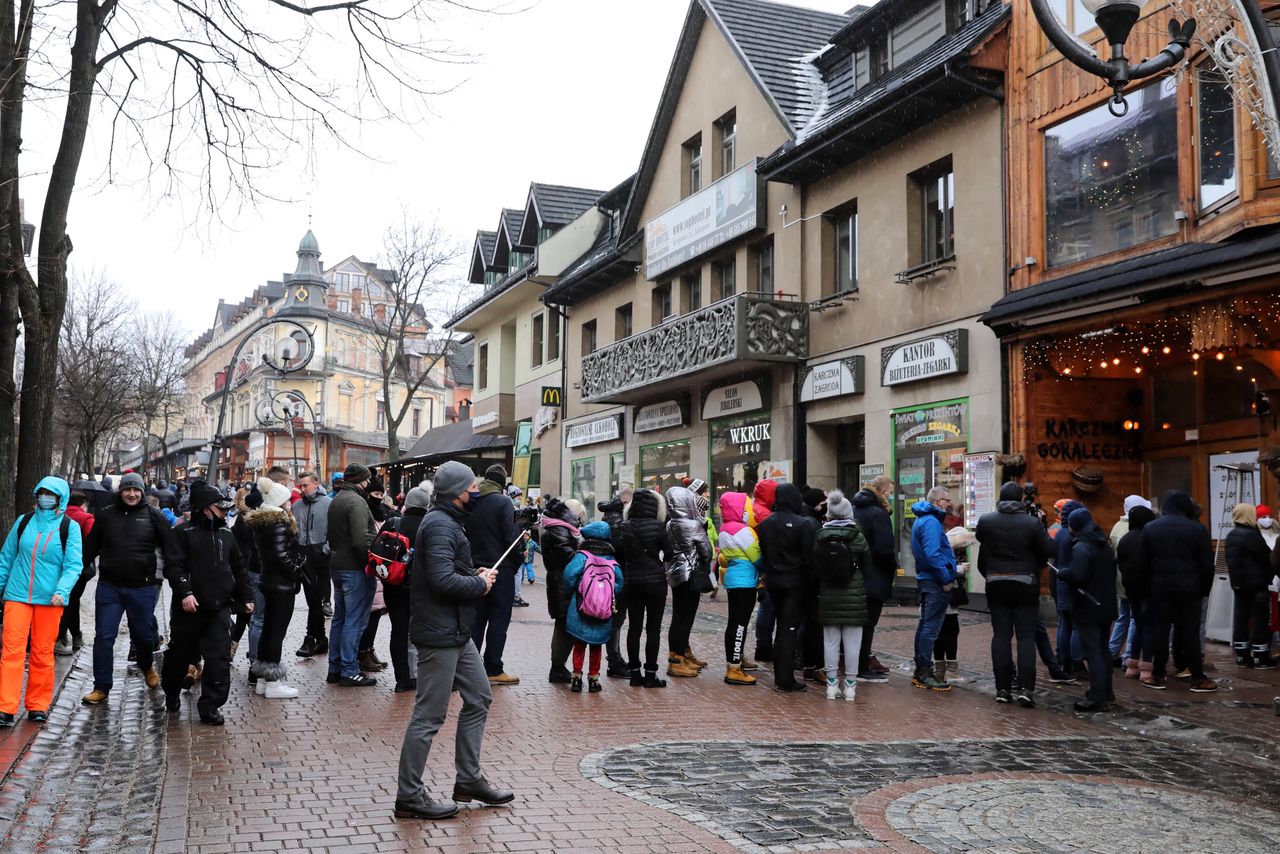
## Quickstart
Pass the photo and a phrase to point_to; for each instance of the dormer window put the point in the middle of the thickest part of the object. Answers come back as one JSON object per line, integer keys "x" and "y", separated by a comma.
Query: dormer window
{"x": 518, "y": 260}
{"x": 544, "y": 233}
{"x": 879, "y": 53}
{"x": 491, "y": 278}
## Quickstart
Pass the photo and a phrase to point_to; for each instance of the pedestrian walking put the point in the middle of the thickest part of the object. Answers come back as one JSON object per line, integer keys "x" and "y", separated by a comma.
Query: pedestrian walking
{"x": 1179, "y": 559}
{"x": 786, "y": 553}
{"x": 644, "y": 589}
{"x": 842, "y": 559}
{"x": 351, "y": 530}
{"x": 275, "y": 536}
{"x": 124, "y": 540}
{"x": 687, "y": 557}
{"x": 40, "y": 561}
{"x": 1014, "y": 550}
{"x": 209, "y": 579}
{"x": 739, "y": 559}
{"x": 311, "y": 513}
{"x": 491, "y": 527}
{"x": 446, "y": 589}
{"x": 872, "y": 511}
{"x": 1136, "y": 578}
{"x": 592, "y": 582}
{"x": 1249, "y": 571}
{"x": 70, "y": 637}
{"x": 935, "y": 578}
{"x": 528, "y": 550}
{"x": 1090, "y": 580}
{"x": 560, "y": 537}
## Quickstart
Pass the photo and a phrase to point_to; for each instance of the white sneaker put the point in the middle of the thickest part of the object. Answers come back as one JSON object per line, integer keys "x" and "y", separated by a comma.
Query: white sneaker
{"x": 833, "y": 689}
{"x": 850, "y": 689}
{"x": 261, "y": 687}
{"x": 280, "y": 691}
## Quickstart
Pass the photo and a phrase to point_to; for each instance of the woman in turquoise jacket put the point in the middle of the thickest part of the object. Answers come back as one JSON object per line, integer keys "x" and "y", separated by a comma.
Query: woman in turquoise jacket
{"x": 39, "y": 564}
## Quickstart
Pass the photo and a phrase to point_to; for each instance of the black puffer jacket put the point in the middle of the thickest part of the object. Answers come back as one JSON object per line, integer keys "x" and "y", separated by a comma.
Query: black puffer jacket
{"x": 491, "y": 527}
{"x": 275, "y": 536}
{"x": 640, "y": 537}
{"x": 442, "y": 606}
{"x": 1177, "y": 550}
{"x": 786, "y": 541}
{"x": 687, "y": 548}
{"x": 1134, "y": 572}
{"x": 1090, "y": 578}
{"x": 559, "y": 541}
{"x": 124, "y": 541}
{"x": 1248, "y": 559}
{"x": 244, "y": 541}
{"x": 876, "y": 525}
{"x": 1014, "y": 544}
{"x": 207, "y": 564}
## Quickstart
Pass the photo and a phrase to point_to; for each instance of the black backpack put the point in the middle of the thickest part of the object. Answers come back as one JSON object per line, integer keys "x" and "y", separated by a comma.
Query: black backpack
{"x": 63, "y": 527}
{"x": 834, "y": 560}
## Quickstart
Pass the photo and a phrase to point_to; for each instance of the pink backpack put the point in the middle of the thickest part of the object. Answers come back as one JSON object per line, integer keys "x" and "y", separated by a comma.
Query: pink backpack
{"x": 595, "y": 589}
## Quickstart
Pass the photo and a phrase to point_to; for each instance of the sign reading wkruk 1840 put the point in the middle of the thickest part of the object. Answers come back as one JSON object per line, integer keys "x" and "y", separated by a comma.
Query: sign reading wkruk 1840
{"x": 926, "y": 358}
{"x": 730, "y": 207}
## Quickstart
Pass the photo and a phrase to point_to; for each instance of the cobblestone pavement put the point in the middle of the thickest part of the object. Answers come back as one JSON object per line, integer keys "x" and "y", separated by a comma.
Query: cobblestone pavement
{"x": 318, "y": 772}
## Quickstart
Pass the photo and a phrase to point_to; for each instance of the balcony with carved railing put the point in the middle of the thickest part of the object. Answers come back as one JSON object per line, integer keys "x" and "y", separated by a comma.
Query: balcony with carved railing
{"x": 741, "y": 332}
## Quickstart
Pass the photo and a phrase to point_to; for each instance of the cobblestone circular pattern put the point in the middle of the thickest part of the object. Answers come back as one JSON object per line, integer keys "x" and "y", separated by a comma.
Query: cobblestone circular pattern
{"x": 1057, "y": 815}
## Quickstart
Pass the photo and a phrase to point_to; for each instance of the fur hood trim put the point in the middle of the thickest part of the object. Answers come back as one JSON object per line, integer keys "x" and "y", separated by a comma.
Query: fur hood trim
{"x": 265, "y": 517}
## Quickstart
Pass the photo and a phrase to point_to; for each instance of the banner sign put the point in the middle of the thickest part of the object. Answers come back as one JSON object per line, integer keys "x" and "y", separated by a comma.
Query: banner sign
{"x": 732, "y": 206}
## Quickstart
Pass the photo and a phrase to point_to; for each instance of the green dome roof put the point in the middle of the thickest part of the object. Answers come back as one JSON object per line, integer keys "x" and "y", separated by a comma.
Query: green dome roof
{"x": 309, "y": 243}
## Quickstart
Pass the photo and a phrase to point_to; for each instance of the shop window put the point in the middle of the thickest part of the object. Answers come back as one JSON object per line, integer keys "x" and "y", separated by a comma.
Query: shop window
{"x": 1173, "y": 398}
{"x": 725, "y": 277}
{"x": 1229, "y": 388}
{"x": 622, "y": 322}
{"x": 661, "y": 304}
{"x": 933, "y": 196}
{"x": 727, "y": 132}
{"x": 692, "y": 154}
{"x": 1216, "y": 144}
{"x": 691, "y": 284}
{"x": 740, "y": 449}
{"x": 616, "y": 461}
{"x": 929, "y": 447}
{"x": 664, "y": 465}
{"x": 588, "y": 337}
{"x": 762, "y": 262}
{"x": 482, "y": 367}
{"x": 554, "y": 322}
{"x": 1112, "y": 183}
{"x": 582, "y": 483}
{"x": 536, "y": 339}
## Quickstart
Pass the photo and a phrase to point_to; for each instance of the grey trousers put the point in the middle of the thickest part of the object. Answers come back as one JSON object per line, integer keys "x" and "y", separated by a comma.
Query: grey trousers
{"x": 440, "y": 673}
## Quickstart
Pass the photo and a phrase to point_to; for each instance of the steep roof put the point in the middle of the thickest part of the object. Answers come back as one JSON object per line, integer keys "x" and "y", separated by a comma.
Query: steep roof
{"x": 560, "y": 205}
{"x": 482, "y": 254}
{"x": 511, "y": 219}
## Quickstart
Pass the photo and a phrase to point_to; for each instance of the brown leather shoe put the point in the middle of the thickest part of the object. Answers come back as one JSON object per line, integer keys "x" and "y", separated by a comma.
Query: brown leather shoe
{"x": 874, "y": 665}
{"x": 504, "y": 679}
{"x": 152, "y": 677}
{"x": 94, "y": 697}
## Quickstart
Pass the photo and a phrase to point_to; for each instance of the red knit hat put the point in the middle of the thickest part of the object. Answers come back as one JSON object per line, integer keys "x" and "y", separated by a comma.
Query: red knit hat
{"x": 1264, "y": 510}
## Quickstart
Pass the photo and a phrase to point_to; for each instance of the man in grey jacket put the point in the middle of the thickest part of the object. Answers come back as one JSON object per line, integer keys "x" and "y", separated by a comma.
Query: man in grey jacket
{"x": 445, "y": 589}
{"x": 312, "y": 515}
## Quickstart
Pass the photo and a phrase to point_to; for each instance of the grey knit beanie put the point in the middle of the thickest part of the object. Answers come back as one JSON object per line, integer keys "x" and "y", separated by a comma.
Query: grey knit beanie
{"x": 838, "y": 507}
{"x": 417, "y": 497}
{"x": 452, "y": 479}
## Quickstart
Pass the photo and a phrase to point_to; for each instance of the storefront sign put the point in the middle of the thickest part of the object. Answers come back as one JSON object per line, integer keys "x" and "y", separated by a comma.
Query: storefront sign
{"x": 732, "y": 400}
{"x": 605, "y": 429}
{"x": 833, "y": 379}
{"x": 869, "y": 472}
{"x": 931, "y": 425}
{"x": 544, "y": 419}
{"x": 749, "y": 437}
{"x": 925, "y": 359}
{"x": 660, "y": 416}
{"x": 779, "y": 470}
{"x": 980, "y": 488}
{"x": 730, "y": 207}
{"x": 551, "y": 396}
{"x": 1085, "y": 441}
{"x": 481, "y": 421}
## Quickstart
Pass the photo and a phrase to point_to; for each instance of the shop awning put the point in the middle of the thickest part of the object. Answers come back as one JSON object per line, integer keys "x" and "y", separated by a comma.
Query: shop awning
{"x": 451, "y": 440}
{"x": 1134, "y": 281}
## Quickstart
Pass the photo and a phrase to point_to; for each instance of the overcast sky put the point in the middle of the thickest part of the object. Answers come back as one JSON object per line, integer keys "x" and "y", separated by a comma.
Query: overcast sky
{"x": 562, "y": 93}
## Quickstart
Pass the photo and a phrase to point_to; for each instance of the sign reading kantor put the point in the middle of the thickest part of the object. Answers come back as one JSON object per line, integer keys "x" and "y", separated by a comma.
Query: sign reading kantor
{"x": 925, "y": 358}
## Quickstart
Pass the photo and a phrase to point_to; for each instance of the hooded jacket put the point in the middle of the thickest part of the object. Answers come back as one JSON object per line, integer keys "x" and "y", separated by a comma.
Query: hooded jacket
{"x": 275, "y": 536}
{"x": 1248, "y": 558}
{"x": 1062, "y": 555}
{"x": 1090, "y": 577}
{"x": 1015, "y": 546}
{"x": 1177, "y": 550}
{"x": 446, "y": 589}
{"x": 350, "y": 528}
{"x": 1130, "y": 561}
{"x": 124, "y": 541}
{"x": 312, "y": 515}
{"x": 208, "y": 565}
{"x": 739, "y": 544}
{"x": 762, "y": 498}
{"x": 687, "y": 548}
{"x": 33, "y": 570}
{"x": 847, "y": 605}
{"x": 491, "y": 527}
{"x": 935, "y": 561}
{"x": 558, "y": 541}
{"x": 596, "y": 541}
{"x": 611, "y": 513}
{"x": 786, "y": 541}
{"x": 641, "y": 539}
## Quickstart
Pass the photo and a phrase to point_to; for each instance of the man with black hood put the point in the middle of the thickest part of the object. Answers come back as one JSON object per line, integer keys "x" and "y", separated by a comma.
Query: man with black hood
{"x": 1179, "y": 561}
{"x": 491, "y": 528}
{"x": 786, "y": 547}
{"x": 811, "y": 638}
{"x": 872, "y": 514}
{"x": 1090, "y": 580}
{"x": 209, "y": 577}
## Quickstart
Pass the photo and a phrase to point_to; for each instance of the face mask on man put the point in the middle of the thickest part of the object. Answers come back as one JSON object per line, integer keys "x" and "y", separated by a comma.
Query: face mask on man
{"x": 46, "y": 502}
{"x": 1266, "y": 522}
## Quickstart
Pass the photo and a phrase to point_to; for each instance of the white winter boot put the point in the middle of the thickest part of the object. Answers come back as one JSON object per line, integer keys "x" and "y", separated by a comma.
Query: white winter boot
{"x": 280, "y": 691}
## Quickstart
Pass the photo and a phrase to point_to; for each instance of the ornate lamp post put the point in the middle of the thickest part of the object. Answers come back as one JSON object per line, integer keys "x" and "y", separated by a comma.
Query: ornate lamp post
{"x": 1116, "y": 19}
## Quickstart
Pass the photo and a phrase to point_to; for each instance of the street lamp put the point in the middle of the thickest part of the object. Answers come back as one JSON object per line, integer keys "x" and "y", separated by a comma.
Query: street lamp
{"x": 1116, "y": 19}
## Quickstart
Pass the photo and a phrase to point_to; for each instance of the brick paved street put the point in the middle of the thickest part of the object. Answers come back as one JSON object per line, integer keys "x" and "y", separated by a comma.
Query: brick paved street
{"x": 700, "y": 766}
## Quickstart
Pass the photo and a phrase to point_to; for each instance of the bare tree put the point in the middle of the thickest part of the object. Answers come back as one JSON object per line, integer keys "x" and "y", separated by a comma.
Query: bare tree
{"x": 96, "y": 378}
{"x": 158, "y": 384}
{"x": 420, "y": 258}
{"x": 205, "y": 95}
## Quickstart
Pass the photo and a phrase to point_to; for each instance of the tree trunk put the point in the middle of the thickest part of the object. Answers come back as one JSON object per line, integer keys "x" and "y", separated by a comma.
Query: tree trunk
{"x": 393, "y": 440}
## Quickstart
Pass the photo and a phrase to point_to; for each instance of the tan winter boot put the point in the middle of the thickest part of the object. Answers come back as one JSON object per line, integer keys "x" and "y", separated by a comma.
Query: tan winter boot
{"x": 690, "y": 658}
{"x": 677, "y": 666}
{"x": 733, "y": 675}
{"x": 1132, "y": 669}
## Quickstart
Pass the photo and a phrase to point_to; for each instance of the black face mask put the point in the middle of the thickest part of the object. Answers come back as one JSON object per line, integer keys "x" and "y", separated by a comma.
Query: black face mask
{"x": 213, "y": 523}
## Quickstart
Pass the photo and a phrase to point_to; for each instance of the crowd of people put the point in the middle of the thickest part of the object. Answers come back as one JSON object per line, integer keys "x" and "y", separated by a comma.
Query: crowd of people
{"x": 444, "y": 562}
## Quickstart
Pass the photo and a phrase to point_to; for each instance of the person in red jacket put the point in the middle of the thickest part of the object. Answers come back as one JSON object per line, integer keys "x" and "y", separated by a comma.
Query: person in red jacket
{"x": 762, "y": 498}
{"x": 69, "y": 637}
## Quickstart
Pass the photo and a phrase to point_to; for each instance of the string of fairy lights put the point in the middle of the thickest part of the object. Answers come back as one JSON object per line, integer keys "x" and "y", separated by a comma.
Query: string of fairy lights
{"x": 1225, "y": 332}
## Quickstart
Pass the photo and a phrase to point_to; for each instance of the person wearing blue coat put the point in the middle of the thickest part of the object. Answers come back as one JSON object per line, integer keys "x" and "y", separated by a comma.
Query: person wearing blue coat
{"x": 585, "y": 631}
{"x": 1070, "y": 651}
{"x": 935, "y": 576}
{"x": 39, "y": 564}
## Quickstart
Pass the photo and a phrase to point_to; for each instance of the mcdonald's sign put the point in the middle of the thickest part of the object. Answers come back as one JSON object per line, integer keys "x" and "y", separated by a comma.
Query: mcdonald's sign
{"x": 551, "y": 396}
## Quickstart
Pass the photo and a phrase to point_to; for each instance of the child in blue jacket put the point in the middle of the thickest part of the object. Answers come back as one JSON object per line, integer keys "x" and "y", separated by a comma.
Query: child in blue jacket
{"x": 587, "y": 631}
